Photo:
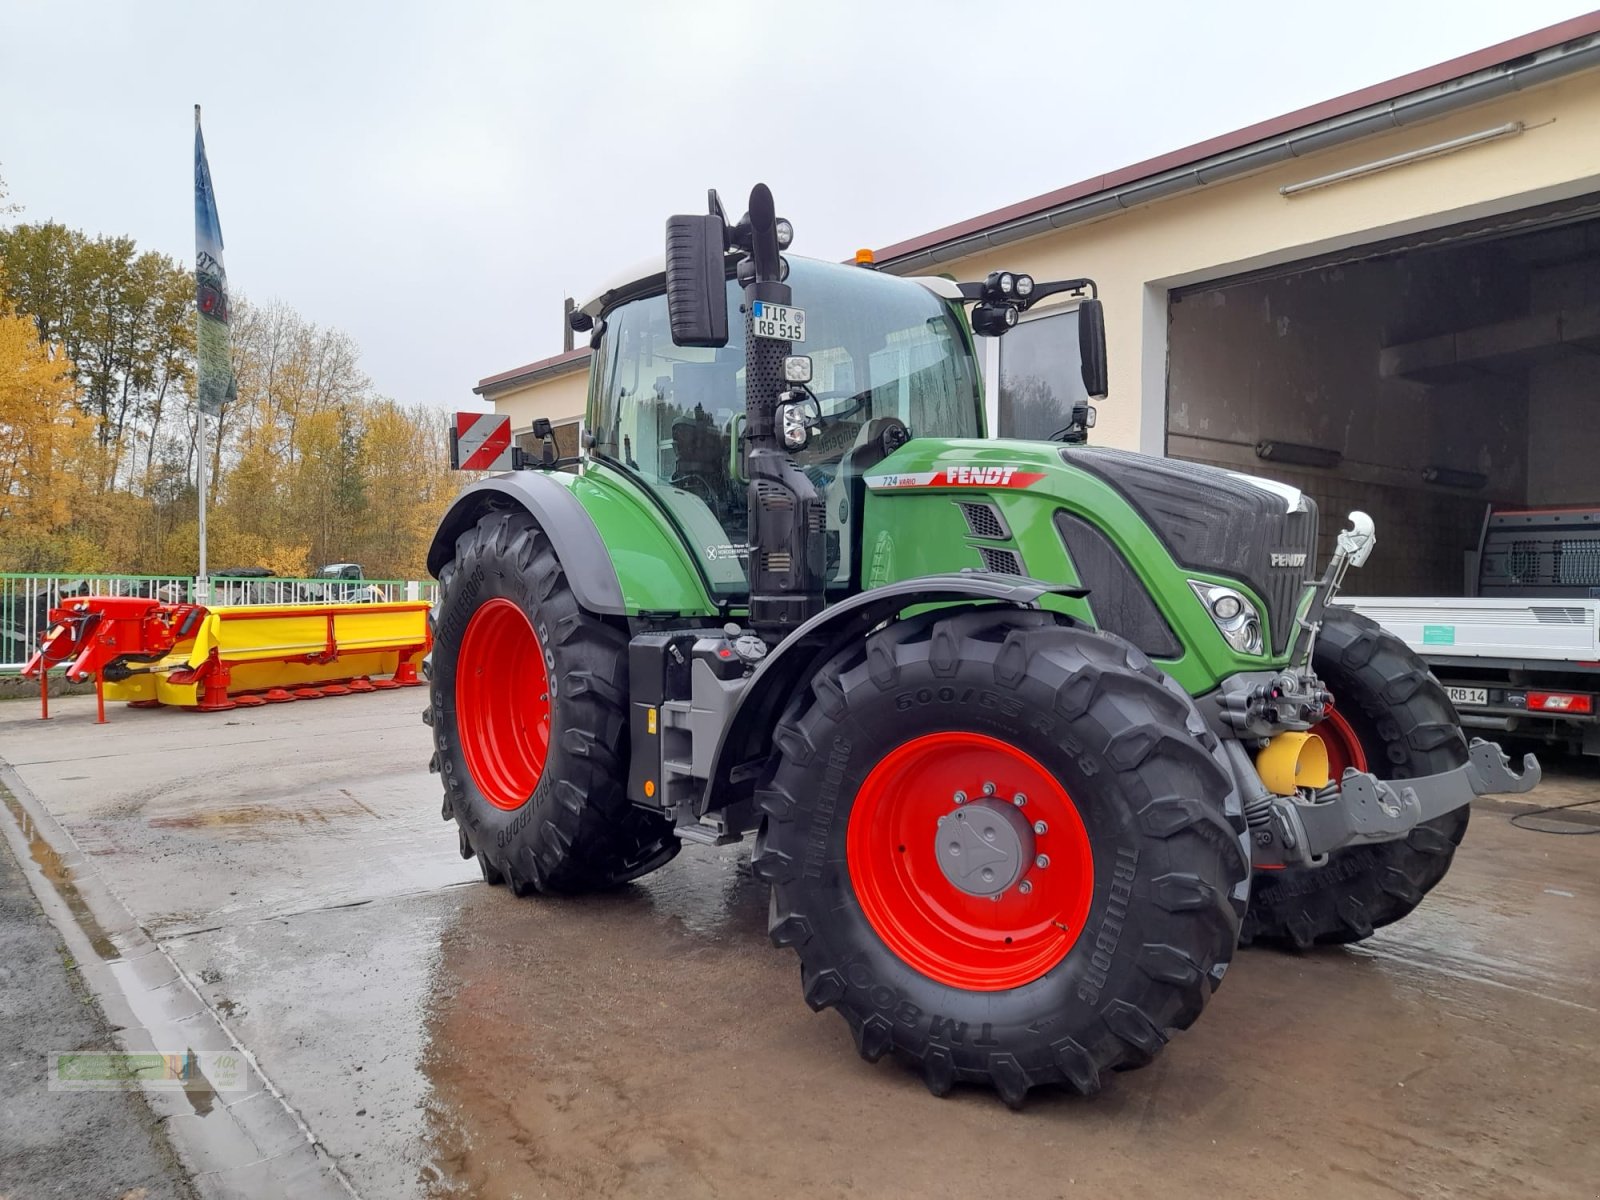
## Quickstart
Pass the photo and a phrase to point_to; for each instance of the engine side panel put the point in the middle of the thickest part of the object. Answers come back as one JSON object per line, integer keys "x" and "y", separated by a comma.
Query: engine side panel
{"x": 914, "y": 524}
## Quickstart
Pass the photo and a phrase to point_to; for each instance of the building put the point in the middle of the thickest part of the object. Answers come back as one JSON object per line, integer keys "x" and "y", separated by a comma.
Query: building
{"x": 1391, "y": 300}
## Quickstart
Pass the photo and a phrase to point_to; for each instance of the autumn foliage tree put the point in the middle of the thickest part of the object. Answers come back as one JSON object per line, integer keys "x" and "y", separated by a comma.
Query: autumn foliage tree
{"x": 43, "y": 438}
{"x": 98, "y": 434}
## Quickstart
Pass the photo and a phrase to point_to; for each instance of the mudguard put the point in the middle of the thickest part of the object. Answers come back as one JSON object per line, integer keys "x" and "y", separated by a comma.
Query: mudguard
{"x": 572, "y": 532}
{"x": 746, "y": 742}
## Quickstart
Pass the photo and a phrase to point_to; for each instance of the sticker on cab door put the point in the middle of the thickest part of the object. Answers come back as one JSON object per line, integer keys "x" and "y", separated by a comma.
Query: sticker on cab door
{"x": 995, "y": 475}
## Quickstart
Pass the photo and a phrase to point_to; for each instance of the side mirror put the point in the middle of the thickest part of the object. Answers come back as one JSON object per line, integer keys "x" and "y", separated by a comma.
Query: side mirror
{"x": 697, "y": 304}
{"x": 1092, "y": 348}
{"x": 798, "y": 413}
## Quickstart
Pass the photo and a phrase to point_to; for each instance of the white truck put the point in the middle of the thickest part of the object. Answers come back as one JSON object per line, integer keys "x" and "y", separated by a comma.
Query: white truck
{"x": 1522, "y": 656}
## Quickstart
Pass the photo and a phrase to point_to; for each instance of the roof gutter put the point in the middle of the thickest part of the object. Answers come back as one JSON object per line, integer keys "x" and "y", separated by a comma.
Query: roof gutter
{"x": 1423, "y": 105}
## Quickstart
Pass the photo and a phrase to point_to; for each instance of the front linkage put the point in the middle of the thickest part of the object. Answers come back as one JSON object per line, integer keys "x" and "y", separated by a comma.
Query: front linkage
{"x": 1298, "y": 813}
{"x": 1369, "y": 809}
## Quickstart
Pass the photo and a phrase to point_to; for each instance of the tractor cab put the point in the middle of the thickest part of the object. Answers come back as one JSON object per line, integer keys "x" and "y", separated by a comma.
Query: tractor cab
{"x": 889, "y": 359}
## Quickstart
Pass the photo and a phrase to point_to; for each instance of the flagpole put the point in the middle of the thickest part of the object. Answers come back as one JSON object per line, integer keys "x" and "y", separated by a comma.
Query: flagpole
{"x": 202, "y": 579}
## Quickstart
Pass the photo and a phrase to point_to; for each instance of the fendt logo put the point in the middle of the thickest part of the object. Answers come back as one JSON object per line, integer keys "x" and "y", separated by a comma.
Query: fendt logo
{"x": 1285, "y": 558}
{"x": 996, "y": 476}
{"x": 971, "y": 476}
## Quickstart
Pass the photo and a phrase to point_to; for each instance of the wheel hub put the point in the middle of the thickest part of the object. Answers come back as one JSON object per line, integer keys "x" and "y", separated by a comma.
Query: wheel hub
{"x": 984, "y": 848}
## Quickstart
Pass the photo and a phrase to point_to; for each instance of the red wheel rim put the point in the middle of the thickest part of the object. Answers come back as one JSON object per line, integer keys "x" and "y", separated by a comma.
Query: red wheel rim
{"x": 503, "y": 703}
{"x": 1344, "y": 747}
{"x": 948, "y": 934}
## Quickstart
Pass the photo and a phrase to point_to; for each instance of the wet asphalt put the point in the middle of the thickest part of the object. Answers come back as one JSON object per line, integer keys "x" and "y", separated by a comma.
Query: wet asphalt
{"x": 278, "y": 882}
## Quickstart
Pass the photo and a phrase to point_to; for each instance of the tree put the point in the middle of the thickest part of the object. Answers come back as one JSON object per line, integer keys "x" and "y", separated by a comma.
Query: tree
{"x": 121, "y": 316}
{"x": 307, "y": 466}
{"x": 44, "y": 440}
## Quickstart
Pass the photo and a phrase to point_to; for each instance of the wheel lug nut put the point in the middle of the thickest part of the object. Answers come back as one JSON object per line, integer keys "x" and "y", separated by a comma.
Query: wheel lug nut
{"x": 961, "y": 797}
{"x": 1040, "y": 827}
{"x": 1019, "y": 799}
{"x": 1025, "y": 886}
{"x": 988, "y": 789}
{"x": 1042, "y": 861}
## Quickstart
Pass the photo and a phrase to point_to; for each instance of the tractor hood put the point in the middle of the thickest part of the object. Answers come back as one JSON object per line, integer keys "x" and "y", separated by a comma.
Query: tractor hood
{"x": 1170, "y": 521}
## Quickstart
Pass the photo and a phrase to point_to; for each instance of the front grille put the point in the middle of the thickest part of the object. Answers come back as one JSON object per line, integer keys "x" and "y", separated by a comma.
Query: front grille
{"x": 1284, "y": 586}
{"x": 1001, "y": 562}
{"x": 984, "y": 521}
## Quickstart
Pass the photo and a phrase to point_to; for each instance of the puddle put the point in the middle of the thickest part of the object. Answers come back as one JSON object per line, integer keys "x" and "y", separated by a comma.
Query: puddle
{"x": 60, "y": 877}
{"x": 244, "y": 815}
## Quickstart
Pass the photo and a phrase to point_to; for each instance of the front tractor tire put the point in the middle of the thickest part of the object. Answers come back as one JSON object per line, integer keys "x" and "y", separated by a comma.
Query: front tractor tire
{"x": 527, "y": 700}
{"x": 1393, "y": 718}
{"x": 1004, "y": 848}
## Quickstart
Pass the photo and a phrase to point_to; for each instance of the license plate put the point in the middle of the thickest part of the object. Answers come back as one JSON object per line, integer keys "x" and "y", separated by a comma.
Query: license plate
{"x": 1460, "y": 695}
{"x": 779, "y": 322}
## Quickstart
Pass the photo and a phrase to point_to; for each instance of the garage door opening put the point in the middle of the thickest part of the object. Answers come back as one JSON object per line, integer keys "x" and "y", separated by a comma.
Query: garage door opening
{"x": 1420, "y": 380}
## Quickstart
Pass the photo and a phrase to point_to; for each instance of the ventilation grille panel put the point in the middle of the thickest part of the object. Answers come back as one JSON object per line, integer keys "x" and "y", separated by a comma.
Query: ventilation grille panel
{"x": 1001, "y": 562}
{"x": 984, "y": 520}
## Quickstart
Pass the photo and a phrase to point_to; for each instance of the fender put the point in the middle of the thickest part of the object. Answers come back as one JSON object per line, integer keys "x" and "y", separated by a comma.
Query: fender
{"x": 571, "y": 531}
{"x": 746, "y": 742}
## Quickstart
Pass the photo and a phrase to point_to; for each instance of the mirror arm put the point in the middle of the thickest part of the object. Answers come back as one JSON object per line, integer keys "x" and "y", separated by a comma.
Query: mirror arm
{"x": 978, "y": 291}
{"x": 1060, "y": 286}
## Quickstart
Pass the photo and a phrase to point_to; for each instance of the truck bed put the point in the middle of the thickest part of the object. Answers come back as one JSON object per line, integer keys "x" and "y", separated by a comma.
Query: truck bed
{"x": 1528, "y": 631}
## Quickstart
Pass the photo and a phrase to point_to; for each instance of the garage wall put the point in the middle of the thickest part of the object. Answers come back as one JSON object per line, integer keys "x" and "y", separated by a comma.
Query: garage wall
{"x": 1296, "y": 359}
{"x": 1564, "y": 397}
{"x": 562, "y": 399}
{"x": 1242, "y": 224}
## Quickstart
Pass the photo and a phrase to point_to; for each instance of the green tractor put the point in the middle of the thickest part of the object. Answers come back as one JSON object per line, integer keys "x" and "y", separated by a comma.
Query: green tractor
{"x": 1031, "y": 735}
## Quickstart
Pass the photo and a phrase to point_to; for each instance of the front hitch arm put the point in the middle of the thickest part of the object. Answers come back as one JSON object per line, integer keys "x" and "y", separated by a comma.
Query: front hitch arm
{"x": 1365, "y": 809}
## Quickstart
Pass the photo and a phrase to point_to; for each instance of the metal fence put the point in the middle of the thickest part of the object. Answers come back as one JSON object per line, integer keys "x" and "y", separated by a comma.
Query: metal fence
{"x": 228, "y": 591}
{"x": 26, "y": 600}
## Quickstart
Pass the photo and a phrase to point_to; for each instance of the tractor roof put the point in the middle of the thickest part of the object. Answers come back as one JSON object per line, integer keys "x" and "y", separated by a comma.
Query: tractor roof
{"x": 650, "y": 277}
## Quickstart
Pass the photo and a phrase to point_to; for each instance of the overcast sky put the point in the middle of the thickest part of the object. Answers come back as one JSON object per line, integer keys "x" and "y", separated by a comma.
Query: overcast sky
{"x": 434, "y": 177}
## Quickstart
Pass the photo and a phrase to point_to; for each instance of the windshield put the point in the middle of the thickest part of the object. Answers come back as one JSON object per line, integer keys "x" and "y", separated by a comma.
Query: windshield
{"x": 880, "y": 347}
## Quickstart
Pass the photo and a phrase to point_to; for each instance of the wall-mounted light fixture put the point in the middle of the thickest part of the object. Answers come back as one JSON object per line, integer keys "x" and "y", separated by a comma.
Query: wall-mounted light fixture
{"x": 1406, "y": 159}
{"x": 1450, "y": 477}
{"x": 1300, "y": 456}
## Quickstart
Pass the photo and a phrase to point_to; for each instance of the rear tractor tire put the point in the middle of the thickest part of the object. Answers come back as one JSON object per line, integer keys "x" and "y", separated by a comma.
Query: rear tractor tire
{"x": 527, "y": 700}
{"x": 1394, "y": 719}
{"x": 1005, "y": 849}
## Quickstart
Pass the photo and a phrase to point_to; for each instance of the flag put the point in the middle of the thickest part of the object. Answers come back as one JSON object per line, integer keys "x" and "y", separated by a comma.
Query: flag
{"x": 215, "y": 387}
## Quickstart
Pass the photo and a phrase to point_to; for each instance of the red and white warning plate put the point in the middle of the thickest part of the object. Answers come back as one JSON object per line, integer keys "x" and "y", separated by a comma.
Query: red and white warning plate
{"x": 483, "y": 442}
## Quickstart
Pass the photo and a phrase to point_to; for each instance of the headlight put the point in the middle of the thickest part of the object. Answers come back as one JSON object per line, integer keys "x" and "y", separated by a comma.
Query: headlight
{"x": 795, "y": 431}
{"x": 1007, "y": 284}
{"x": 785, "y": 232}
{"x": 1024, "y": 285}
{"x": 1234, "y": 615}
